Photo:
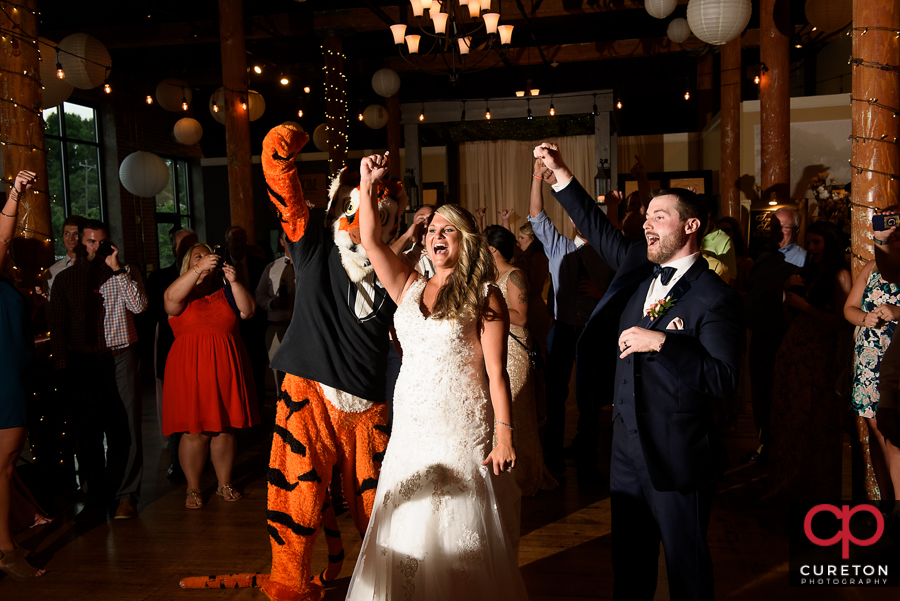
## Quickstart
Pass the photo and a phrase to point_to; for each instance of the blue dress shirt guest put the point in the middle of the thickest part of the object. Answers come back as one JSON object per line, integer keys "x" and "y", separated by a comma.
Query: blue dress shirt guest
{"x": 579, "y": 277}
{"x": 790, "y": 226}
{"x": 680, "y": 336}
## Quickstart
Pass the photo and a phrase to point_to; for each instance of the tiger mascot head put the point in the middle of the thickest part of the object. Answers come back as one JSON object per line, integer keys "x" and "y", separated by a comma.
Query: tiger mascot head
{"x": 343, "y": 202}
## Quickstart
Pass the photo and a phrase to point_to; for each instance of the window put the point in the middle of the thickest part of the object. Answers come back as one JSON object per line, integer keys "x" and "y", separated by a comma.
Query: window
{"x": 73, "y": 165}
{"x": 173, "y": 207}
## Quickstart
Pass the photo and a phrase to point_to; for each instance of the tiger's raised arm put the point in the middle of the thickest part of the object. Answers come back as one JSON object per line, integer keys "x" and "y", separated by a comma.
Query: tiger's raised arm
{"x": 280, "y": 146}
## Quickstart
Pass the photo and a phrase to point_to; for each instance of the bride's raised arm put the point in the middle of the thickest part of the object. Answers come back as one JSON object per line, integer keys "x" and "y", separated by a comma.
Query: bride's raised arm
{"x": 393, "y": 273}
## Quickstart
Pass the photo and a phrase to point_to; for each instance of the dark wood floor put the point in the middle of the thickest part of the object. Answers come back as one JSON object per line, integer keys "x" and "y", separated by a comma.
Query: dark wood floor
{"x": 565, "y": 550}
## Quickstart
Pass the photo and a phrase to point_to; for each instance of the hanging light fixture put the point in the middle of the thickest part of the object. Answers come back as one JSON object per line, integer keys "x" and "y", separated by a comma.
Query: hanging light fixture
{"x": 456, "y": 36}
{"x": 487, "y": 111}
{"x": 306, "y": 89}
{"x": 552, "y": 109}
{"x": 422, "y": 114}
{"x": 149, "y": 99}
{"x": 284, "y": 79}
{"x": 299, "y": 112}
{"x": 59, "y": 70}
{"x": 619, "y": 104}
{"x": 687, "y": 95}
{"x": 106, "y": 88}
{"x": 257, "y": 69}
{"x": 243, "y": 103}
{"x": 184, "y": 104}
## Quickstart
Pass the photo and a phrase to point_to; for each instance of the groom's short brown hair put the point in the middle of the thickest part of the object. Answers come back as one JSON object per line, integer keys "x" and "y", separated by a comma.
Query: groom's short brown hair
{"x": 690, "y": 206}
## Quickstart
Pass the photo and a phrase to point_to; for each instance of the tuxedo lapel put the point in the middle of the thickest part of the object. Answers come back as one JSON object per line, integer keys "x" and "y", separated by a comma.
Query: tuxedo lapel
{"x": 681, "y": 287}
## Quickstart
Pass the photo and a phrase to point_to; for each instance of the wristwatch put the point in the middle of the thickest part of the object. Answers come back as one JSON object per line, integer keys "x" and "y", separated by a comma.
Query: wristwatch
{"x": 880, "y": 242}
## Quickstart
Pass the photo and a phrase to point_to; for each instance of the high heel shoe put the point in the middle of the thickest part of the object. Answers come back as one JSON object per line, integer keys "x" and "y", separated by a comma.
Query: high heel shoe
{"x": 13, "y": 563}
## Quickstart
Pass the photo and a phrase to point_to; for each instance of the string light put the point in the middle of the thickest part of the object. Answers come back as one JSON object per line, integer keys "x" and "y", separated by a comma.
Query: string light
{"x": 215, "y": 106}
{"x": 59, "y": 70}
{"x": 107, "y": 89}
{"x": 306, "y": 89}
{"x": 284, "y": 80}
{"x": 360, "y": 116}
{"x": 243, "y": 103}
{"x": 300, "y": 112}
{"x": 552, "y": 108}
{"x": 618, "y": 106}
{"x": 756, "y": 80}
{"x": 257, "y": 69}
{"x": 149, "y": 99}
{"x": 184, "y": 104}
{"x": 687, "y": 95}
{"x": 487, "y": 111}
{"x": 422, "y": 113}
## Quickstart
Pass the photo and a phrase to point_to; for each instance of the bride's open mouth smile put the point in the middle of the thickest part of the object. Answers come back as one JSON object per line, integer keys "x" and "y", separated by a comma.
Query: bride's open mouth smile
{"x": 439, "y": 248}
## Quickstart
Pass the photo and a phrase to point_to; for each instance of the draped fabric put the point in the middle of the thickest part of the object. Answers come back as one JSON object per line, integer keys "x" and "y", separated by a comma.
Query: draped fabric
{"x": 496, "y": 174}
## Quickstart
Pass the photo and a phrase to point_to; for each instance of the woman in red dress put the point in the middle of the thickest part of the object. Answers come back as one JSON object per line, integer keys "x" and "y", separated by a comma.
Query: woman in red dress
{"x": 208, "y": 387}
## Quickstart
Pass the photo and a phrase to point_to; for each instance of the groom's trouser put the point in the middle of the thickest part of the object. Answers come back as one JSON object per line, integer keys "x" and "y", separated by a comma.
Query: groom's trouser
{"x": 643, "y": 516}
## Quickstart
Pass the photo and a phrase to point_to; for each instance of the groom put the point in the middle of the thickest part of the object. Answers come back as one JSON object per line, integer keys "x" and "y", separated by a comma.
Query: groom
{"x": 679, "y": 343}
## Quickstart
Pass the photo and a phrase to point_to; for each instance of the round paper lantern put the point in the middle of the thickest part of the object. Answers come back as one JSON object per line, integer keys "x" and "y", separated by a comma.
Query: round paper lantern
{"x": 385, "y": 82}
{"x": 188, "y": 131}
{"x": 85, "y": 60}
{"x": 56, "y": 90}
{"x": 256, "y": 104}
{"x": 144, "y": 174}
{"x": 375, "y": 116}
{"x": 320, "y": 138}
{"x": 717, "y": 22}
{"x": 660, "y": 9}
{"x": 171, "y": 93}
{"x": 678, "y": 30}
{"x": 829, "y": 15}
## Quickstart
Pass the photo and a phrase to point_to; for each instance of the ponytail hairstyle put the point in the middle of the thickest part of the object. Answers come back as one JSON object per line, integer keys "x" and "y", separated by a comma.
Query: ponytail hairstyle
{"x": 463, "y": 295}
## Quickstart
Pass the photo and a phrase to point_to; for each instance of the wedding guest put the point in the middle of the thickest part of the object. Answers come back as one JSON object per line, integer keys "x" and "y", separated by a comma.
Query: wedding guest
{"x": 579, "y": 280}
{"x": 679, "y": 338}
{"x": 873, "y": 306}
{"x": 789, "y": 218}
{"x": 718, "y": 243}
{"x": 730, "y": 226}
{"x": 534, "y": 264}
{"x": 16, "y": 351}
{"x": 887, "y": 259}
{"x": 433, "y": 487}
{"x": 71, "y": 239}
{"x": 275, "y": 295}
{"x": 805, "y": 460}
{"x": 208, "y": 388}
{"x": 531, "y": 474}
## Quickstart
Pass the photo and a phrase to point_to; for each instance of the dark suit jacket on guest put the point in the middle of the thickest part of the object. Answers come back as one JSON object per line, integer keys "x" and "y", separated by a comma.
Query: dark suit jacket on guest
{"x": 667, "y": 396}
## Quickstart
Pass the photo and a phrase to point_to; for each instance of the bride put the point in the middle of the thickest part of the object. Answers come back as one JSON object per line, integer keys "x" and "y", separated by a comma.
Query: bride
{"x": 445, "y": 523}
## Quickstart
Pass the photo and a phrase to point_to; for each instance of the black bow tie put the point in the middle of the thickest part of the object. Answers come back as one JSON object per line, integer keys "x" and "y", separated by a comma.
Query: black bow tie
{"x": 665, "y": 274}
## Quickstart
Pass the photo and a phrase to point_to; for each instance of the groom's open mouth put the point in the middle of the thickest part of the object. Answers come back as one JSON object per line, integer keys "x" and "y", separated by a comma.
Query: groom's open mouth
{"x": 652, "y": 240}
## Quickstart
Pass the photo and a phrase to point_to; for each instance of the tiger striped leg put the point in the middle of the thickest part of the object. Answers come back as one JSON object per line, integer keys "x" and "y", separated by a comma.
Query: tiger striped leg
{"x": 334, "y": 544}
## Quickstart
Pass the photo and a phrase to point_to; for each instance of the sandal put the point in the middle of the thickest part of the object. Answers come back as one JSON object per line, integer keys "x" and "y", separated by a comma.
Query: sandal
{"x": 13, "y": 563}
{"x": 193, "y": 500}
{"x": 228, "y": 493}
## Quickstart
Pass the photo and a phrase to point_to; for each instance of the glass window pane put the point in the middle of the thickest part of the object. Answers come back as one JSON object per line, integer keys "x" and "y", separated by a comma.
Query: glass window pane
{"x": 166, "y": 257}
{"x": 51, "y": 121}
{"x": 57, "y": 193}
{"x": 183, "y": 193}
{"x": 165, "y": 200}
{"x": 84, "y": 179}
{"x": 80, "y": 122}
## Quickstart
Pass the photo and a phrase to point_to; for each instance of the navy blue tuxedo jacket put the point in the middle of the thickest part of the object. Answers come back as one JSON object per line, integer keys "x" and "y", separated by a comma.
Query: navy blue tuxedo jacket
{"x": 667, "y": 396}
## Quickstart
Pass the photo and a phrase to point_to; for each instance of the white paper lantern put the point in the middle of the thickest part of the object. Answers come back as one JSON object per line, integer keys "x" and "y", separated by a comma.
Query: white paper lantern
{"x": 171, "y": 93}
{"x": 718, "y": 22}
{"x": 85, "y": 60}
{"x": 320, "y": 138}
{"x": 386, "y": 82}
{"x": 829, "y": 16}
{"x": 660, "y": 9}
{"x": 188, "y": 131}
{"x": 144, "y": 174}
{"x": 375, "y": 116}
{"x": 678, "y": 30}
{"x": 56, "y": 90}
{"x": 256, "y": 105}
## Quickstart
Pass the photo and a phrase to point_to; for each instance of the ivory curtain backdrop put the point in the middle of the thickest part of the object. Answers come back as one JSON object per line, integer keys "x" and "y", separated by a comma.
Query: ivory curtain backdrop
{"x": 496, "y": 174}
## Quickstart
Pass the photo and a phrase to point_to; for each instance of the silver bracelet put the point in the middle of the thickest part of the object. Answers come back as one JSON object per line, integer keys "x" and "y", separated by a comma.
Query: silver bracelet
{"x": 504, "y": 424}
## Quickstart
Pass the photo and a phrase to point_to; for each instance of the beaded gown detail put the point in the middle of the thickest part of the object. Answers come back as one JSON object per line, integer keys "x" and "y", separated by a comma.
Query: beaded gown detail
{"x": 443, "y": 526}
{"x": 530, "y": 472}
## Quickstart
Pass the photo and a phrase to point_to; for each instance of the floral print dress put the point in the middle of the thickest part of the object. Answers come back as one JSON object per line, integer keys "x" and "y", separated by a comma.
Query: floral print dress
{"x": 871, "y": 344}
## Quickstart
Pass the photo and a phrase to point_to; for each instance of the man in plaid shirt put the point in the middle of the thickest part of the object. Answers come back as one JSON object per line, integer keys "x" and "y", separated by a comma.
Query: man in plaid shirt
{"x": 93, "y": 341}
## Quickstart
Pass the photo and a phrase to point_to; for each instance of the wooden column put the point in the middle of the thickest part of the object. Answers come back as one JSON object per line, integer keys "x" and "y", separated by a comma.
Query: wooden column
{"x": 335, "y": 110}
{"x": 237, "y": 118}
{"x": 775, "y": 100}
{"x": 394, "y": 133}
{"x": 874, "y": 159}
{"x": 22, "y": 134}
{"x": 730, "y": 171}
{"x": 704, "y": 90}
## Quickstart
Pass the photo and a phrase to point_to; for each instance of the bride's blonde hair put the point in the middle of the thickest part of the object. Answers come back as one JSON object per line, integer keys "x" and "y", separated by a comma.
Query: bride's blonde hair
{"x": 463, "y": 294}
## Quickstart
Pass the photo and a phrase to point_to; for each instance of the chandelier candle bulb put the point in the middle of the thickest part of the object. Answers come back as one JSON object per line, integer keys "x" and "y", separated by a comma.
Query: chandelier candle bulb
{"x": 412, "y": 42}
{"x": 464, "y": 44}
{"x": 505, "y": 33}
{"x": 485, "y": 4}
{"x": 440, "y": 22}
{"x": 520, "y": 93}
{"x": 398, "y": 31}
{"x": 474, "y": 9}
{"x": 490, "y": 22}
{"x": 417, "y": 7}
{"x": 426, "y": 4}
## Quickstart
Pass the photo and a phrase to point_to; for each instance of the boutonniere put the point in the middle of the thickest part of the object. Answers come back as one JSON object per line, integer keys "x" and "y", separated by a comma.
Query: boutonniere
{"x": 659, "y": 308}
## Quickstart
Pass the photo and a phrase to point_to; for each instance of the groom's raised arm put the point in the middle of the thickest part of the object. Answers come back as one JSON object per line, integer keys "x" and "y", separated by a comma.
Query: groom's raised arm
{"x": 588, "y": 217}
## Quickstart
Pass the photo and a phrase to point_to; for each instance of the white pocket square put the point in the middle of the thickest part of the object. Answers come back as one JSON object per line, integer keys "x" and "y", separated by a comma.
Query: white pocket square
{"x": 675, "y": 324}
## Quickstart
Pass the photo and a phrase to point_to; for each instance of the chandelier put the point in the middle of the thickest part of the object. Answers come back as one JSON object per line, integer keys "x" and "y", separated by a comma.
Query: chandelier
{"x": 461, "y": 33}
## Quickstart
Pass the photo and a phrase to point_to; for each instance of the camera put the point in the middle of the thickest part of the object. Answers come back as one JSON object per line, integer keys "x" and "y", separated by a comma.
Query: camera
{"x": 105, "y": 249}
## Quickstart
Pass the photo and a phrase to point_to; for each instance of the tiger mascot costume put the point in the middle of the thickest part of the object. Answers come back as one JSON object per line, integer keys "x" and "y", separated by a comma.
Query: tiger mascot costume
{"x": 331, "y": 410}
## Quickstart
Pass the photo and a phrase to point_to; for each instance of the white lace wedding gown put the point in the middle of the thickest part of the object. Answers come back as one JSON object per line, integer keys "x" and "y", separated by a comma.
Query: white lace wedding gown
{"x": 443, "y": 526}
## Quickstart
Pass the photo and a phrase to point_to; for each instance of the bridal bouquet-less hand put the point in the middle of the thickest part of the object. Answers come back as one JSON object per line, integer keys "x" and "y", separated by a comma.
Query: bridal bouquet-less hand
{"x": 659, "y": 308}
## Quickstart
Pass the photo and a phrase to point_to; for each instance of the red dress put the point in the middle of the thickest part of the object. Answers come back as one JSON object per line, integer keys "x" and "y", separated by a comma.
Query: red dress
{"x": 208, "y": 385}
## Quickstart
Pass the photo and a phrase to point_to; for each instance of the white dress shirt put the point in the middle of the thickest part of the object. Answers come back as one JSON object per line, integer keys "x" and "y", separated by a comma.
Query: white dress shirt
{"x": 658, "y": 291}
